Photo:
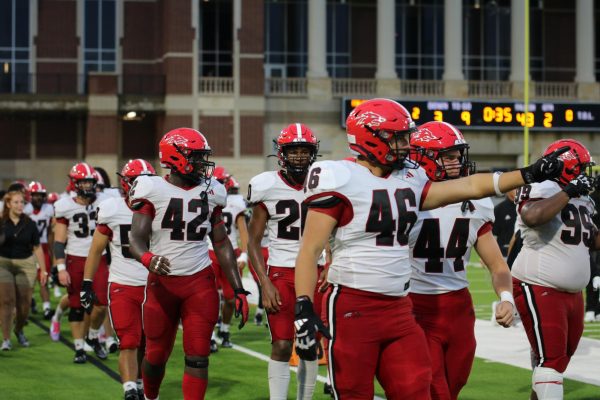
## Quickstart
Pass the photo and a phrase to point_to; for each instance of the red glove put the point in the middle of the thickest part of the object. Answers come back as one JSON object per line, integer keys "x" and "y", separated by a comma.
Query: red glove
{"x": 241, "y": 305}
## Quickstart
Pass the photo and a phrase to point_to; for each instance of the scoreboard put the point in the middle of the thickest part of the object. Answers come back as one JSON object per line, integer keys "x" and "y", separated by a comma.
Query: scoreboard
{"x": 501, "y": 115}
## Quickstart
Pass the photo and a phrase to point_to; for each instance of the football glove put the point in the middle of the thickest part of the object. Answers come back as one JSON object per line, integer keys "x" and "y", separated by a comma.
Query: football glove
{"x": 241, "y": 305}
{"x": 596, "y": 282}
{"x": 580, "y": 186}
{"x": 547, "y": 167}
{"x": 87, "y": 297}
{"x": 307, "y": 325}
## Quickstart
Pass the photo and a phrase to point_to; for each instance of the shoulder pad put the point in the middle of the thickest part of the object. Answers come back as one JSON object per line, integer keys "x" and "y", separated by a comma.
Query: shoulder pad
{"x": 486, "y": 208}
{"x": 326, "y": 176}
{"x": 544, "y": 190}
{"x": 260, "y": 185}
{"x": 142, "y": 187}
{"x": 218, "y": 193}
{"x": 106, "y": 210}
{"x": 49, "y": 209}
{"x": 61, "y": 206}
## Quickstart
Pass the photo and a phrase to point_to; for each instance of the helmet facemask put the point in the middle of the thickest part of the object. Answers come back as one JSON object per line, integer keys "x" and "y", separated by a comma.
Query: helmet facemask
{"x": 197, "y": 167}
{"x": 86, "y": 188}
{"x": 398, "y": 142}
{"x": 296, "y": 158}
{"x": 462, "y": 168}
{"x": 38, "y": 199}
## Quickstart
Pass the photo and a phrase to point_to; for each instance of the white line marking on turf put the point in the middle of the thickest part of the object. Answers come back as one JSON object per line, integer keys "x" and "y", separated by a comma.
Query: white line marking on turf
{"x": 265, "y": 358}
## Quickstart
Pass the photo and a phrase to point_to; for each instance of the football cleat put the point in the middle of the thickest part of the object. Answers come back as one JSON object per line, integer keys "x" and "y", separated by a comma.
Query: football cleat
{"x": 34, "y": 309}
{"x": 590, "y": 316}
{"x": 225, "y": 341}
{"x": 111, "y": 345}
{"x": 55, "y": 330}
{"x": 22, "y": 339}
{"x": 132, "y": 394}
{"x": 213, "y": 346}
{"x": 6, "y": 345}
{"x": 258, "y": 318}
{"x": 328, "y": 390}
{"x": 80, "y": 357}
{"x": 98, "y": 348}
{"x": 48, "y": 313}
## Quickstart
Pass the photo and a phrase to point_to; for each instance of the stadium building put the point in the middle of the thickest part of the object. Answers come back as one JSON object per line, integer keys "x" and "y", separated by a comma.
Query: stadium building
{"x": 102, "y": 80}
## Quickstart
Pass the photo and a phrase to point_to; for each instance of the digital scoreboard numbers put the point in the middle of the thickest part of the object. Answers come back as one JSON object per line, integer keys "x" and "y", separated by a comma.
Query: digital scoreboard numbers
{"x": 482, "y": 115}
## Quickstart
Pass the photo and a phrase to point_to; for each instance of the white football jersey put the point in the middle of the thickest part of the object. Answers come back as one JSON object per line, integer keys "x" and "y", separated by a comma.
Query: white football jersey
{"x": 42, "y": 218}
{"x": 370, "y": 251}
{"x": 181, "y": 222}
{"x": 287, "y": 213}
{"x": 235, "y": 206}
{"x": 124, "y": 269}
{"x": 81, "y": 223}
{"x": 557, "y": 253}
{"x": 441, "y": 242}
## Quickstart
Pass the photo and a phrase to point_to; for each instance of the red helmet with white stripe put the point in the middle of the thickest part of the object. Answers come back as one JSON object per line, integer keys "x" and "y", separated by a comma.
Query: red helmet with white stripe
{"x": 185, "y": 151}
{"x": 132, "y": 170}
{"x": 83, "y": 179}
{"x": 52, "y": 197}
{"x": 232, "y": 184}
{"x": 291, "y": 137}
{"x": 434, "y": 141}
{"x": 575, "y": 161}
{"x": 220, "y": 174}
{"x": 380, "y": 130}
{"x": 36, "y": 187}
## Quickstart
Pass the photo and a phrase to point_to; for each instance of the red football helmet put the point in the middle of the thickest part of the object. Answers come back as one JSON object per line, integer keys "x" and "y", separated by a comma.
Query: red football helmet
{"x": 38, "y": 194}
{"x": 185, "y": 151}
{"x": 374, "y": 125}
{"x": 132, "y": 170}
{"x": 220, "y": 174}
{"x": 432, "y": 141}
{"x": 52, "y": 197}
{"x": 231, "y": 184}
{"x": 575, "y": 161}
{"x": 83, "y": 180}
{"x": 296, "y": 135}
{"x": 36, "y": 187}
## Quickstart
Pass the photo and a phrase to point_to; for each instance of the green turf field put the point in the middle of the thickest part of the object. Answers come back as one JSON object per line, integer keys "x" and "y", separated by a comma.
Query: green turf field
{"x": 46, "y": 370}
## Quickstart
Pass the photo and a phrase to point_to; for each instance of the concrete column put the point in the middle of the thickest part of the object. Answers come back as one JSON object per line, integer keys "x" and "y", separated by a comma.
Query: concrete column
{"x": 386, "y": 43}
{"x": 317, "y": 39}
{"x": 517, "y": 44}
{"x": 453, "y": 50}
{"x": 584, "y": 24}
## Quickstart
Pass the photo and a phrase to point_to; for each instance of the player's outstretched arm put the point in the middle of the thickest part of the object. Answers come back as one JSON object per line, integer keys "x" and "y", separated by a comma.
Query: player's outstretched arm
{"x": 490, "y": 254}
{"x": 141, "y": 227}
{"x": 317, "y": 229}
{"x": 478, "y": 186}
{"x": 270, "y": 295}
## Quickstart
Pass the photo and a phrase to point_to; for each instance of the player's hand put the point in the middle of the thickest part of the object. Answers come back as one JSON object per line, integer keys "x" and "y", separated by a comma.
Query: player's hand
{"x": 322, "y": 281}
{"x": 160, "y": 265}
{"x": 87, "y": 297}
{"x": 270, "y": 296}
{"x": 43, "y": 278}
{"x": 547, "y": 167}
{"x": 241, "y": 305}
{"x": 307, "y": 325}
{"x": 505, "y": 314}
{"x": 64, "y": 278}
{"x": 580, "y": 186}
{"x": 241, "y": 261}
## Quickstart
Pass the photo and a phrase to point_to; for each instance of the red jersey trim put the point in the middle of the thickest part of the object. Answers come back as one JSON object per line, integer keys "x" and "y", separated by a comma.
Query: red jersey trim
{"x": 485, "y": 228}
{"x": 147, "y": 208}
{"x": 342, "y": 212}
{"x": 264, "y": 207}
{"x": 424, "y": 194}
{"x": 105, "y": 230}
{"x": 180, "y": 187}
{"x": 62, "y": 220}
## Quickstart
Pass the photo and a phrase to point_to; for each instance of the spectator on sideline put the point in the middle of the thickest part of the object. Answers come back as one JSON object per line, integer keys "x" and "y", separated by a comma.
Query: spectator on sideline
{"x": 19, "y": 242}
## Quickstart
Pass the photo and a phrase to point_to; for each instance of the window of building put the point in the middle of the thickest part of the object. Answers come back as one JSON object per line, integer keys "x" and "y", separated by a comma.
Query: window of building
{"x": 338, "y": 39}
{"x": 14, "y": 46}
{"x": 486, "y": 39}
{"x": 216, "y": 38}
{"x": 597, "y": 39}
{"x": 420, "y": 39}
{"x": 100, "y": 36}
{"x": 286, "y": 38}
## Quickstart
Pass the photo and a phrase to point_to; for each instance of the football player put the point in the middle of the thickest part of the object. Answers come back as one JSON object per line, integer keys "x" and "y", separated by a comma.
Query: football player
{"x": 440, "y": 247}
{"x": 370, "y": 207}
{"x": 127, "y": 277}
{"x": 553, "y": 267}
{"x": 177, "y": 214}
{"x": 276, "y": 199}
{"x": 75, "y": 222}
{"x": 42, "y": 213}
{"x": 235, "y": 225}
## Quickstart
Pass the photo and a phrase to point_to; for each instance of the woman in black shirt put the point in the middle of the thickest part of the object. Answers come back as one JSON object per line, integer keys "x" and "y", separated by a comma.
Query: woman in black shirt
{"x": 19, "y": 242}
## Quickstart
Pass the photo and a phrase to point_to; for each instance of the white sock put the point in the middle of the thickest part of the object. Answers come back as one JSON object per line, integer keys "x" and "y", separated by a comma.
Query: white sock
{"x": 547, "y": 383}
{"x": 307, "y": 378}
{"x": 129, "y": 385}
{"x": 93, "y": 333}
{"x": 46, "y": 305}
{"x": 58, "y": 313}
{"x": 224, "y": 327}
{"x": 140, "y": 384}
{"x": 279, "y": 379}
{"x": 259, "y": 311}
{"x": 110, "y": 340}
{"x": 328, "y": 377}
{"x": 78, "y": 344}
{"x": 213, "y": 336}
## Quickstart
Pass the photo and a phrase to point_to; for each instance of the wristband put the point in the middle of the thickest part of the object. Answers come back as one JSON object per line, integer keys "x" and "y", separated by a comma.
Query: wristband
{"x": 243, "y": 258}
{"x": 496, "y": 178}
{"x": 146, "y": 259}
{"x": 61, "y": 267}
{"x": 507, "y": 296}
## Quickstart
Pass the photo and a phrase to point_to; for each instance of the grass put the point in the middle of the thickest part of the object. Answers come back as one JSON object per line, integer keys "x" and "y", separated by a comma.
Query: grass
{"x": 46, "y": 369}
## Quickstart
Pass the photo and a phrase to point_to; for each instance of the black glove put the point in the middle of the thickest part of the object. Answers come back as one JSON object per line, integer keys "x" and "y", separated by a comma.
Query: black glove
{"x": 54, "y": 276}
{"x": 307, "y": 324}
{"x": 87, "y": 297}
{"x": 580, "y": 186}
{"x": 241, "y": 305}
{"x": 547, "y": 167}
